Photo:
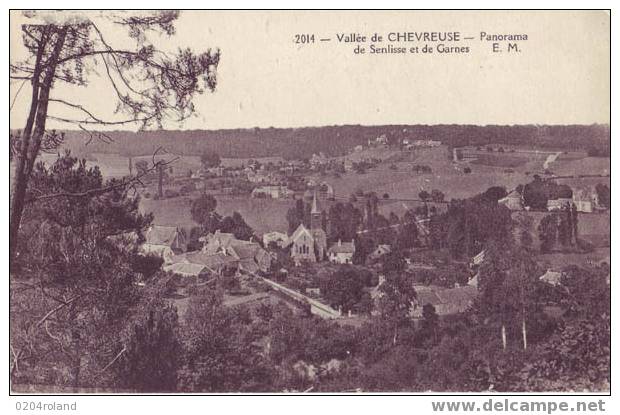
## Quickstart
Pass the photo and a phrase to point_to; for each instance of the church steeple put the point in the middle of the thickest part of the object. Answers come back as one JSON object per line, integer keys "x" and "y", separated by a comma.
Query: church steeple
{"x": 315, "y": 214}
{"x": 315, "y": 207}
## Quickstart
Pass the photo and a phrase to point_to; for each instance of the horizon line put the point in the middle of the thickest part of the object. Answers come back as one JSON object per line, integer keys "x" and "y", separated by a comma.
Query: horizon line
{"x": 594, "y": 124}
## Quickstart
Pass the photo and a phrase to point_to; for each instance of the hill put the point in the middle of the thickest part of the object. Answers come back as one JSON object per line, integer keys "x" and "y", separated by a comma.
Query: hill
{"x": 298, "y": 143}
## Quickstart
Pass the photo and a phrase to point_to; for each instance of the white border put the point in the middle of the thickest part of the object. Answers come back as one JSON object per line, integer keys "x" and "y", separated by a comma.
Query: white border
{"x": 257, "y": 405}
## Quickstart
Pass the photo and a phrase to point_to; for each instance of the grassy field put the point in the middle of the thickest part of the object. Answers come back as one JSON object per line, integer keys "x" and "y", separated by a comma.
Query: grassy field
{"x": 263, "y": 215}
{"x": 586, "y": 165}
{"x": 500, "y": 160}
{"x": 448, "y": 177}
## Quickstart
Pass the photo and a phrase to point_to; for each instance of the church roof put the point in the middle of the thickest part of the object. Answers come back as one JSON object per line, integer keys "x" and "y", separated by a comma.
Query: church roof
{"x": 301, "y": 229}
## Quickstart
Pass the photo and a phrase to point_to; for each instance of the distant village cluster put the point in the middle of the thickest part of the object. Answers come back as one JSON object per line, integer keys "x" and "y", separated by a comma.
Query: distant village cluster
{"x": 273, "y": 177}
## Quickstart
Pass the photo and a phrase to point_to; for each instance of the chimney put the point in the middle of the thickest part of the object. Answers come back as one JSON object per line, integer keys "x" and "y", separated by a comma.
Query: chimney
{"x": 160, "y": 182}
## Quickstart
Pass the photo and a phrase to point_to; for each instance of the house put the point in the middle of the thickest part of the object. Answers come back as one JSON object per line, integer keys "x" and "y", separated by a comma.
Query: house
{"x": 426, "y": 143}
{"x": 478, "y": 259}
{"x": 318, "y": 160}
{"x": 447, "y": 301}
{"x": 559, "y": 203}
{"x": 215, "y": 264}
{"x": 328, "y": 189}
{"x": 341, "y": 252}
{"x": 381, "y": 250}
{"x": 165, "y": 241}
{"x": 585, "y": 200}
{"x": 473, "y": 281}
{"x": 513, "y": 201}
{"x": 288, "y": 170}
{"x": 309, "y": 244}
{"x": 186, "y": 273}
{"x": 551, "y": 277}
{"x": 216, "y": 171}
{"x": 217, "y": 242}
{"x": 381, "y": 140}
{"x": 258, "y": 177}
{"x": 348, "y": 165}
{"x": 376, "y": 293}
{"x": 185, "y": 269}
{"x": 250, "y": 255}
{"x": 279, "y": 238}
{"x": 274, "y": 192}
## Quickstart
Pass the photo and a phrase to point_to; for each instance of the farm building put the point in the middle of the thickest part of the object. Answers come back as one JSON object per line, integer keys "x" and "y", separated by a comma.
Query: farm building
{"x": 164, "y": 241}
{"x": 341, "y": 252}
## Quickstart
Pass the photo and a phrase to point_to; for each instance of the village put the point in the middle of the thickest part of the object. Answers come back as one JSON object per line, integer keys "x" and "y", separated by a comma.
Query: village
{"x": 294, "y": 261}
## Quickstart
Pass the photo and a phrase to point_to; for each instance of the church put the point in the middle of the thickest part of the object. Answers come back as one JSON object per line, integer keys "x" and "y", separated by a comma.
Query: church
{"x": 309, "y": 244}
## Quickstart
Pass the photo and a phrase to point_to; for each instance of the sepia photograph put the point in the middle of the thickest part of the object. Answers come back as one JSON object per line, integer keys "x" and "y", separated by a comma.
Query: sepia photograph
{"x": 309, "y": 202}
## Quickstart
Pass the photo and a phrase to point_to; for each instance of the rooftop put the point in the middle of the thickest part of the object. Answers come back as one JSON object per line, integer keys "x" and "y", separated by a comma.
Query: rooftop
{"x": 342, "y": 248}
{"x": 161, "y": 235}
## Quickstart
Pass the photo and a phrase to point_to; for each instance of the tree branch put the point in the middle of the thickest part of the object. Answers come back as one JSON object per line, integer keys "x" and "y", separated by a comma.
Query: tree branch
{"x": 106, "y": 189}
{"x": 57, "y": 308}
{"x": 115, "y": 359}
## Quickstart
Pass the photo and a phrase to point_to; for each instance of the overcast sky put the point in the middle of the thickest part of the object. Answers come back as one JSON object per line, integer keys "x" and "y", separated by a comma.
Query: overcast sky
{"x": 561, "y": 75}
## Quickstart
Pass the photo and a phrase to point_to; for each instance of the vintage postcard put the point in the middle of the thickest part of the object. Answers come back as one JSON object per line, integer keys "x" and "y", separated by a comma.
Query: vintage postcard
{"x": 316, "y": 202}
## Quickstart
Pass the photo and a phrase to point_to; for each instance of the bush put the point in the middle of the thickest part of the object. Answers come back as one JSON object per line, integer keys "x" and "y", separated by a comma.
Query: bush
{"x": 169, "y": 193}
{"x": 584, "y": 245}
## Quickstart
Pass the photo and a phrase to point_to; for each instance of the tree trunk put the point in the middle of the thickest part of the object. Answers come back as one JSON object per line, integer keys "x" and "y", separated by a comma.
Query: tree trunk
{"x": 524, "y": 331}
{"x": 31, "y": 140}
{"x": 504, "y": 336}
{"x": 18, "y": 186}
